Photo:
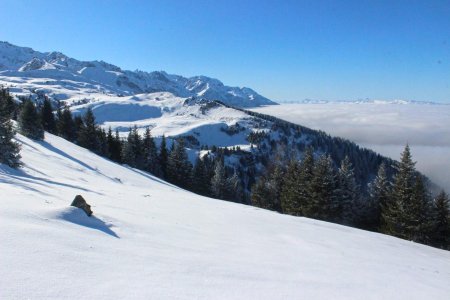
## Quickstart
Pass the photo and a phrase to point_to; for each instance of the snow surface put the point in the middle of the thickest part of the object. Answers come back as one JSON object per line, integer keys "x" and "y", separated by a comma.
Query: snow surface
{"x": 150, "y": 240}
{"x": 384, "y": 127}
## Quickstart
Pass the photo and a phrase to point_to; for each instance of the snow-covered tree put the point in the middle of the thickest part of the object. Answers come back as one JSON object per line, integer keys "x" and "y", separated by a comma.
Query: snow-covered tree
{"x": 379, "y": 195}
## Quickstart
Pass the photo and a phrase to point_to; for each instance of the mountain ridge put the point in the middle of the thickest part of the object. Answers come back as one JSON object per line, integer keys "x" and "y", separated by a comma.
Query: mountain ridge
{"x": 25, "y": 67}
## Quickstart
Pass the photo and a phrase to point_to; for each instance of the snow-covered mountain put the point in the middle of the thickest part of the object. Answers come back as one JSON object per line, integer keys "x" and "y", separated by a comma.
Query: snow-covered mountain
{"x": 26, "y": 71}
{"x": 150, "y": 240}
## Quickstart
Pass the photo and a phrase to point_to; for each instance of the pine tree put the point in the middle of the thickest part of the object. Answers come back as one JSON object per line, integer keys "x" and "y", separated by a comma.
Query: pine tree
{"x": 347, "y": 194}
{"x": 323, "y": 193}
{"x": 9, "y": 149}
{"x": 47, "y": 117}
{"x": 219, "y": 181}
{"x": 267, "y": 191}
{"x": 163, "y": 157}
{"x": 201, "y": 179}
{"x": 406, "y": 214}
{"x": 114, "y": 145}
{"x": 8, "y": 107}
{"x": 88, "y": 136}
{"x": 29, "y": 122}
{"x": 151, "y": 161}
{"x": 235, "y": 190}
{"x": 290, "y": 194}
{"x": 179, "y": 169}
{"x": 132, "y": 150}
{"x": 379, "y": 192}
{"x": 441, "y": 221}
{"x": 305, "y": 178}
{"x": 419, "y": 223}
{"x": 65, "y": 125}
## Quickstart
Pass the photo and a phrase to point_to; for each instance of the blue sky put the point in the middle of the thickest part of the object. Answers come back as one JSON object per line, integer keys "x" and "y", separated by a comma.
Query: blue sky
{"x": 285, "y": 50}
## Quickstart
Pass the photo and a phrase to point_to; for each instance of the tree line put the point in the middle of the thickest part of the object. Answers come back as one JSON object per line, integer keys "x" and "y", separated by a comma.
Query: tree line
{"x": 400, "y": 205}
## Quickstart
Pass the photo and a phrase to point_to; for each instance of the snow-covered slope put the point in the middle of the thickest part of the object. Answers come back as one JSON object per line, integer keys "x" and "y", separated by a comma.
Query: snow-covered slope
{"x": 26, "y": 71}
{"x": 151, "y": 240}
{"x": 173, "y": 116}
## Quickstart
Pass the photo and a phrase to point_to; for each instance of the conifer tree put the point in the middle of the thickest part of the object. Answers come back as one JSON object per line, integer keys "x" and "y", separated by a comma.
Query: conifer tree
{"x": 347, "y": 194}
{"x": 132, "y": 150}
{"x": 163, "y": 156}
{"x": 201, "y": 179}
{"x": 379, "y": 196}
{"x": 9, "y": 149}
{"x": 114, "y": 145}
{"x": 8, "y": 107}
{"x": 235, "y": 190}
{"x": 407, "y": 212}
{"x": 323, "y": 190}
{"x": 267, "y": 191}
{"x": 219, "y": 181}
{"x": 29, "y": 122}
{"x": 47, "y": 117}
{"x": 65, "y": 125}
{"x": 151, "y": 161}
{"x": 88, "y": 135}
{"x": 290, "y": 194}
{"x": 305, "y": 178}
{"x": 441, "y": 224}
{"x": 179, "y": 169}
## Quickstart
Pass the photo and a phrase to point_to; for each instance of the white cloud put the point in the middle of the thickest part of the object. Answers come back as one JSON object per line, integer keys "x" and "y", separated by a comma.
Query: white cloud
{"x": 385, "y": 128}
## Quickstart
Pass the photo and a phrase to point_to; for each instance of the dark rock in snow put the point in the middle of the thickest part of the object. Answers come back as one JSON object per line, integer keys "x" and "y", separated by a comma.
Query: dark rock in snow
{"x": 81, "y": 203}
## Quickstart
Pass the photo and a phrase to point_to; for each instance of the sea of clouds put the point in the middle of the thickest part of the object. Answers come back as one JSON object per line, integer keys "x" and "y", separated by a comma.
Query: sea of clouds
{"x": 383, "y": 127}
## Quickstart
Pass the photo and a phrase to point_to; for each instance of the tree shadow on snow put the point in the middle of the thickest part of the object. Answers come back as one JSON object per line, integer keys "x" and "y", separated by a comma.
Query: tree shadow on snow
{"x": 79, "y": 217}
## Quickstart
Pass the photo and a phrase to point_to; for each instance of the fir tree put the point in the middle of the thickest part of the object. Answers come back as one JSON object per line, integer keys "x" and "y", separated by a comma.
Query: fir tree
{"x": 29, "y": 122}
{"x": 179, "y": 169}
{"x": 290, "y": 194}
{"x": 132, "y": 149}
{"x": 201, "y": 179}
{"x": 114, "y": 145}
{"x": 88, "y": 136}
{"x": 219, "y": 181}
{"x": 267, "y": 191}
{"x": 163, "y": 157}
{"x": 407, "y": 212}
{"x": 9, "y": 149}
{"x": 441, "y": 224}
{"x": 347, "y": 194}
{"x": 323, "y": 193}
{"x": 8, "y": 107}
{"x": 65, "y": 125}
{"x": 47, "y": 117}
{"x": 235, "y": 190}
{"x": 379, "y": 196}
{"x": 151, "y": 161}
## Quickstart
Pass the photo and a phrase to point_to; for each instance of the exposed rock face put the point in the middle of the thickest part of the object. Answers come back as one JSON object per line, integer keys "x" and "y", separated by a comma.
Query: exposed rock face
{"x": 81, "y": 203}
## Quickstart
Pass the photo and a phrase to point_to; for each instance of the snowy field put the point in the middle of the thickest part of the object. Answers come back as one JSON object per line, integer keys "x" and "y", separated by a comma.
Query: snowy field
{"x": 383, "y": 127}
{"x": 150, "y": 240}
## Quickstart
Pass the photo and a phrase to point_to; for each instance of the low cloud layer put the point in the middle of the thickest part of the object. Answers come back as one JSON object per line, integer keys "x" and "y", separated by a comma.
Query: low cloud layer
{"x": 385, "y": 128}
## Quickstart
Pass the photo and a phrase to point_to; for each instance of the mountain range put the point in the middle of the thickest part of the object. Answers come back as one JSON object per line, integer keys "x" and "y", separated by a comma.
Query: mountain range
{"x": 26, "y": 71}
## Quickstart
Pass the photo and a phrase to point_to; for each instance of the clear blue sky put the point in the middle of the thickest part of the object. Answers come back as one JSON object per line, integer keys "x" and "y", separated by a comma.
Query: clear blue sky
{"x": 286, "y": 50}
